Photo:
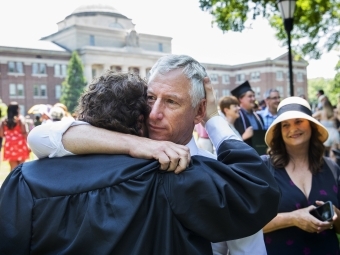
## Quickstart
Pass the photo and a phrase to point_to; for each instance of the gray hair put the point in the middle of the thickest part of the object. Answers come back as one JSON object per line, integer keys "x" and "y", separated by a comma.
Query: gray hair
{"x": 267, "y": 93}
{"x": 191, "y": 68}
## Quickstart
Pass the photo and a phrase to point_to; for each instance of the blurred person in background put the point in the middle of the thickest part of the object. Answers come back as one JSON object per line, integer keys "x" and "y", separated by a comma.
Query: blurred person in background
{"x": 37, "y": 120}
{"x": 13, "y": 129}
{"x": 57, "y": 113}
{"x": 306, "y": 180}
{"x": 327, "y": 117}
{"x": 231, "y": 110}
{"x": 269, "y": 114}
{"x": 248, "y": 117}
{"x": 320, "y": 96}
{"x": 67, "y": 115}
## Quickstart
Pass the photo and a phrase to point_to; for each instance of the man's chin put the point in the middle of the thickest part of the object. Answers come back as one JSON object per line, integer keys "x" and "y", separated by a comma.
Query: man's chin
{"x": 158, "y": 137}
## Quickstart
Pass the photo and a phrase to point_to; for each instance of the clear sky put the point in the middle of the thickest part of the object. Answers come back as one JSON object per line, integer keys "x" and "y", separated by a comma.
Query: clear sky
{"x": 24, "y": 22}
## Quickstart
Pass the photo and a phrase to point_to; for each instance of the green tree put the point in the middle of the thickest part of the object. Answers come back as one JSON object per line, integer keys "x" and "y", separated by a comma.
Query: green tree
{"x": 336, "y": 81}
{"x": 74, "y": 84}
{"x": 316, "y": 22}
{"x": 320, "y": 83}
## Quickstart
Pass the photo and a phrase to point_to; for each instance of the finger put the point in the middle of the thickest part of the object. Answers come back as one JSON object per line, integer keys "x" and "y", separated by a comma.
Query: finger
{"x": 183, "y": 163}
{"x": 319, "y": 202}
{"x": 164, "y": 161}
{"x": 174, "y": 158}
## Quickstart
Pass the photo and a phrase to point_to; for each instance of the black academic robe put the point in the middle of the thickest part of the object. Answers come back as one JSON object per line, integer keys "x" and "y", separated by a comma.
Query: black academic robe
{"x": 242, "y": 123}
{"x": 115, "y": 204}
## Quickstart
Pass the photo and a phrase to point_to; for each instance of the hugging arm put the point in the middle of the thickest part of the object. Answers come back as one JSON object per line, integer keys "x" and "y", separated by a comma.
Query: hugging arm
{"x": 61, "y": 138}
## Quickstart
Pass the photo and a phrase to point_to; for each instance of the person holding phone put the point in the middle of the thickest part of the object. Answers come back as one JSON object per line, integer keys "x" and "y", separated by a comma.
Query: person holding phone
{"x": 306, "y": 179}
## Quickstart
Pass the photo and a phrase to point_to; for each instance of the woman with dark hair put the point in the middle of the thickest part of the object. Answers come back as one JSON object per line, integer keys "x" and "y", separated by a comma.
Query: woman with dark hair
{"x": 14, "y": 131}
{"x": 230, "y": 108}
{"x": 306, "y": 179}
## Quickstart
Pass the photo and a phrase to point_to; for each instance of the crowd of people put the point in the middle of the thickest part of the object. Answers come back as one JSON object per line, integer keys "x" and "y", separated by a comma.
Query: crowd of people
{"x": 14, "y": 128}
{"x": 160, "y": 193}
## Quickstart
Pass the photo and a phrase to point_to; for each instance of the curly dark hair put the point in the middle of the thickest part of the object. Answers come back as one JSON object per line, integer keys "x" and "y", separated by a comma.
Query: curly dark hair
{"x": 280, "y": 157}
{"x": 115, "y": 101}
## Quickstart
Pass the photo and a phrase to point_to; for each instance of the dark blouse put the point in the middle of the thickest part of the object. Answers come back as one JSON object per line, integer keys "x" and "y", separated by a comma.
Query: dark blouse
{"x": 294, "y": 240}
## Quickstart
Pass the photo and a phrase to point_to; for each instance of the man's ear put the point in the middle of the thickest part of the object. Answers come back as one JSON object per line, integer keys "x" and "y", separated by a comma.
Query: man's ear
{"x": 200, "y": 110}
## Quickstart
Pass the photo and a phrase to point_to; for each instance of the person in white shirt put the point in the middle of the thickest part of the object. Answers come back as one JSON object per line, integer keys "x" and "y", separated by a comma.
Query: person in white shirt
{"x": 172, "y": 80}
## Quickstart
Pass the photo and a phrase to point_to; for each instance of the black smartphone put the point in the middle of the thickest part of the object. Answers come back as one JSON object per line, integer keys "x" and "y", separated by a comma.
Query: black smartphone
{"x": 323, "y": 212}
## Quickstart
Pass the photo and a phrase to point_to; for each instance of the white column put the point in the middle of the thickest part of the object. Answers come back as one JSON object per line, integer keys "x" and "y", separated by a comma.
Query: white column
{"x": 125, "y": 69}
{"x": 106, "y": 67}
{"x": 142, "y": 72}
{"x": 88, "y": 73}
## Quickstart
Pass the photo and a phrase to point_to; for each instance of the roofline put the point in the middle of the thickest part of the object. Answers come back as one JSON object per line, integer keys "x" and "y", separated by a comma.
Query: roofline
{"x": 94, "y": 13}
{"x": 32, "y": 50}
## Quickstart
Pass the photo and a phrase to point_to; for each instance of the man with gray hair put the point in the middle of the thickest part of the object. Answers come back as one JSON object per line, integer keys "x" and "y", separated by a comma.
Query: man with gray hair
{"x": 269, "y": 114}
{"x": 178, "y": 102}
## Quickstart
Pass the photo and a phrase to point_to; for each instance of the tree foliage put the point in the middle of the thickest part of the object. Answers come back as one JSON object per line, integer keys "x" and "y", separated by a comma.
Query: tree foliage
{"x": 74, "y": 84}
{"x": 331, "y": 87}
{"x": 320, "y": 83}
{"x": 316, "y": 22}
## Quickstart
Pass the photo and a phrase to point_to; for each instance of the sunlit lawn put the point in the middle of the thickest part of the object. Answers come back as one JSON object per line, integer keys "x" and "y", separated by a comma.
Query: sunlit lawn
{"x": 4, "y": 167}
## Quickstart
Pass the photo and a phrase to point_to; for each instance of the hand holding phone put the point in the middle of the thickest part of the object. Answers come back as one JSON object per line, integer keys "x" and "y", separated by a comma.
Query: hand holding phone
{"x": 323, "y": 212}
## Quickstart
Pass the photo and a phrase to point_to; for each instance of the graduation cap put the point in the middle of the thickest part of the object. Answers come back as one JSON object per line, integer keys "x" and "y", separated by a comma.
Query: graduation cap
{"x": 241, "y": 89}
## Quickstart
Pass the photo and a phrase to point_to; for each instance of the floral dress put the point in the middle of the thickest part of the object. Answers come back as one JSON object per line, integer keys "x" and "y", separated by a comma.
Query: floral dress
{"x": 15, "y": 147}
{"x": 293, "y": 240}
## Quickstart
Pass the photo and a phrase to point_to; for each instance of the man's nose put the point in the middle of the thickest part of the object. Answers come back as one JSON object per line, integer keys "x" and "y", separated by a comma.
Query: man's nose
{"x": 156, "y": 111}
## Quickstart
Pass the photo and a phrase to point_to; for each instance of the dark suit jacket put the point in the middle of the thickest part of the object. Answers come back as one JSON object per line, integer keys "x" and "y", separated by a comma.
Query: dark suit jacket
{"x": 104, "y": 204}
{"x": 242, "y": 123}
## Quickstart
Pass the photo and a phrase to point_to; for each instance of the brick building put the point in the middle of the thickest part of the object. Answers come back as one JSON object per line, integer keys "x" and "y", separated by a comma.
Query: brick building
{"x": 106, "y": 39}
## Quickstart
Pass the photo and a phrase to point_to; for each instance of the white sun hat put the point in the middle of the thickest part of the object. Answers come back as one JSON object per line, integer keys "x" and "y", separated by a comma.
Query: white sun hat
{"x": 294, "y": 108}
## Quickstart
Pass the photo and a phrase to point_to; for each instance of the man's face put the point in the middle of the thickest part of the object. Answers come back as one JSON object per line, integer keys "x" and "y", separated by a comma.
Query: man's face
{"x": 273, "y": 101}
{"x": 247, "y": 102}
{"x": 172, "y": 117}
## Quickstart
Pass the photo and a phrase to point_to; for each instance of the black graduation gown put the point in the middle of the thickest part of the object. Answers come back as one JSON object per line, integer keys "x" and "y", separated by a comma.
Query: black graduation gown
{"x": 115, "y": 204}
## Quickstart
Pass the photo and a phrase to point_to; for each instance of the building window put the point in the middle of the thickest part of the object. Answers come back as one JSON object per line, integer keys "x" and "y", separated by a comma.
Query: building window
{"x": 16, "y": 90}
{"x": 22, "y": 109}
{"x": 257, "y": 91}
{"x": 116, "y": 68}
{"x": 134, "y": 70}
{"x": 40, "y": 91}
{"x": 60, "y": 70}
{"x": 39, "y": 68}
{"x": 216, "y": 93}
{"x": 94, "y": 73}
{"x": 225, "y": 92}
{"x": 36, "y": 91}
{"x": 15, "y": 67}
{"x": 57, "y": 91}
{"x": 148, "y": 71}
{"x": 255, "y": 76}
{"x": 280, "y": 89}
{"x": 160, "y": 47}
{"x": 43, "y": 91}
{"x": 92, "y": 40}
{"x": 288, "y": 88}
{"x": 20, "y": 90}
{"x": 240, "y": 78}
{"x": 300, "y": 91}
{"x": 299, "y": 77}
{"x": 279, "y": 75}
{"x": 213, "y": 78}
{"x": 225, "y": 79}
{"x": 288, "y": 76}
{"x": 12, "y": 90}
